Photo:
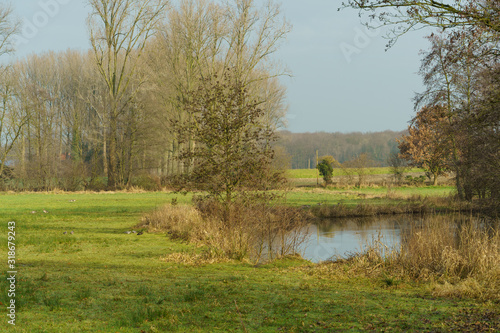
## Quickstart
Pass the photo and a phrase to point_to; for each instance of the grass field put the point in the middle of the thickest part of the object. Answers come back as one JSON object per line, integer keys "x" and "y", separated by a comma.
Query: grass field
{"x": 100, "y": 279}
{"x": 368, "y": 195}
{"x": 313, "y": 173}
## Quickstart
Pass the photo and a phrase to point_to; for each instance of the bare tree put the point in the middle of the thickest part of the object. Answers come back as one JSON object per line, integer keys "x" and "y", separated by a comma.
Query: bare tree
{"x": 199, "y": 39}
{"x": 119, "y": 30}
{"x": 12, "y": 117}
{"x": 9, "y": 26}
{"x": 10, "y": 127}
{"x": 360, "y": 166}
{"x": 254, "y": 36}
{"x": 397, "y": 166}
{"x": 407, "y": 15}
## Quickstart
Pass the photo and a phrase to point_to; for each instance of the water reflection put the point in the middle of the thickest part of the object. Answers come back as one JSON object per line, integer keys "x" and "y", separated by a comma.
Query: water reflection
{"x": 341, "y": 237}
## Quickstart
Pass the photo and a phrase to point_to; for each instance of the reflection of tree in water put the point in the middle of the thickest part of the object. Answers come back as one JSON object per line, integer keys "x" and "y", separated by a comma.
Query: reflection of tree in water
{"x": 364, "y": 226}
{"x": 343, "y": 236}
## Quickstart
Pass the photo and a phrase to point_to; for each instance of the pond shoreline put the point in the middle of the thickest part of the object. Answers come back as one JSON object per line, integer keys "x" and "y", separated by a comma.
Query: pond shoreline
{"x": 367, "y": 210}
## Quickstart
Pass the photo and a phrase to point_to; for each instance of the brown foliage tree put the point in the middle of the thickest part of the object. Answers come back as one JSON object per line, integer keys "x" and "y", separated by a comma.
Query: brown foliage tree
{"x": 427, "y": 144}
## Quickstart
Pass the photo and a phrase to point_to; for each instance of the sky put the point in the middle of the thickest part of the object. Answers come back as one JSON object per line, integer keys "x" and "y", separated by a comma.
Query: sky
{"x": 343, "y": 79}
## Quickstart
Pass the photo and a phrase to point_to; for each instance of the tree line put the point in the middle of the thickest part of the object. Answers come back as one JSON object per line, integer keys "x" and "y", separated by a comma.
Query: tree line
{"x": 106, "y": 117}
{"x": 302, "y": 147}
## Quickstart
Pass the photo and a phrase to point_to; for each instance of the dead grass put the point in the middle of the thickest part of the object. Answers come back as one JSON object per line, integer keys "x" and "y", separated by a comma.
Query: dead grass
{"x": 253, "y": 231}
{"x": 452, "y": 249}
{"x": 193, "y": 259}
{"x": 457, "y": 258}
{"x": 180, "y": 222}
{"x": 363, "y": 210}
{"x": 406, "y": 204}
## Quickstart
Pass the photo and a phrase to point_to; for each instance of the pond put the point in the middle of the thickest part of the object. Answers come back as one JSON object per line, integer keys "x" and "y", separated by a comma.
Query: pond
{"x": 330, "y": 239}
{"x": 344, "y": 236}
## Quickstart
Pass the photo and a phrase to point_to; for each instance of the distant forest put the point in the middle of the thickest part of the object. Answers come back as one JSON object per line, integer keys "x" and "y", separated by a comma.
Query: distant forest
{"x": 302, "y": 147}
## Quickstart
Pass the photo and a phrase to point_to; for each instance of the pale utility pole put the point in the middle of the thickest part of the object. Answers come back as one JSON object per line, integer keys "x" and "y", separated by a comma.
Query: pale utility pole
{"x": 317, "y": 171}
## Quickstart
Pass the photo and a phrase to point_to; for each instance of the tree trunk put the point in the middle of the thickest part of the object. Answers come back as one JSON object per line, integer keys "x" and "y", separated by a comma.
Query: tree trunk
{"x": 105, "y": 151}
{"x": 112, "y": 172}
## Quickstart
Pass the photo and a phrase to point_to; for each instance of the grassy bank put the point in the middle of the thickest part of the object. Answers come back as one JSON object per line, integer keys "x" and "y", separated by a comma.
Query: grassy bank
{"x": 339, "y": 202}
{"x": 100, "y": 279}
{"x": 312, "y": 173}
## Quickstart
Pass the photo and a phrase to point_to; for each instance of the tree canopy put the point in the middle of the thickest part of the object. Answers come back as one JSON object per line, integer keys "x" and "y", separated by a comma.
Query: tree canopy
{"x": 427, "y": 144}
{"x": 407, "y": 15}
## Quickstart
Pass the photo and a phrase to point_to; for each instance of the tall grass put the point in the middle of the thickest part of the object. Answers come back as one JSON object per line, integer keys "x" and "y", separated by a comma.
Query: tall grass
{"x": 253, "y": 231}
{"x": 459, "y": 257}
{"x": 453, "y": 249}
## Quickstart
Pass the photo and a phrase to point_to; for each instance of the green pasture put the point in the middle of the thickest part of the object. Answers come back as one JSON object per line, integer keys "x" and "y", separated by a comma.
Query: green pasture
{"x": 100, "y": 279}
{"x": 313, "y": 173}
{"x": 368, "y": 195}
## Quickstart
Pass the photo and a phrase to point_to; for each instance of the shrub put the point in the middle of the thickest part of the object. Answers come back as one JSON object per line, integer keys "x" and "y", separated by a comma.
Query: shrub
{"x": 415, "y": 181}
{"x": 256, "y": 231}
{"x": 325, "y": 167}
{"x": 147, "y": 182}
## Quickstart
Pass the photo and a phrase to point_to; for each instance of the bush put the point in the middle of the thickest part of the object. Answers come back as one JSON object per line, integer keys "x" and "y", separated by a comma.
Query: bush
{"x": 147, "y": 182}
{"x": 415, "y": 181}
{"x": 256, "y": 231}
{"x": 326, "y": 171}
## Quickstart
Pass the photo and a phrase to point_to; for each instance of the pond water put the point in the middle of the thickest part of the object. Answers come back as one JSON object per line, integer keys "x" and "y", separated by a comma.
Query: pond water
{"x": 329, "y": 239}
{"x": 341, "y": 237}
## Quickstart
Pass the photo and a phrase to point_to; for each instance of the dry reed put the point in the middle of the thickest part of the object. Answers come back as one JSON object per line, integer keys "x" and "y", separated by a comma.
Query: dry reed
{"x": 458, "y": 257}
{"x": 251, "y": 231}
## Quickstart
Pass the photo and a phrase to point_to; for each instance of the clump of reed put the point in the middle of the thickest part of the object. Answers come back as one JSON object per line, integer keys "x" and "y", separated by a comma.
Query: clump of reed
{"x": 180, "y": 222}
{"x": 459, "y": 257}
{"x": 253, "y": 231}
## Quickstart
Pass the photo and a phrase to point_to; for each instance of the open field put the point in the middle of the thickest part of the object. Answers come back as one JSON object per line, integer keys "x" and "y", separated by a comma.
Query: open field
{"x": 373, "y": 177}
{"x": 312, "y": 173}
{"x": 100, "y": 279}
{"x": 367, "y": 195}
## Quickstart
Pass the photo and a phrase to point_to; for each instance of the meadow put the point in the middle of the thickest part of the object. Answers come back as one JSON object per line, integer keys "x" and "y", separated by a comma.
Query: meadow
{"x": 337, "y": 172}
{"x": 101, "y": 279}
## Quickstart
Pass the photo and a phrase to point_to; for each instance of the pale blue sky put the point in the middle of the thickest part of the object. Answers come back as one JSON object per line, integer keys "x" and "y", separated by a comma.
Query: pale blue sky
{"x": 343, "y": 81}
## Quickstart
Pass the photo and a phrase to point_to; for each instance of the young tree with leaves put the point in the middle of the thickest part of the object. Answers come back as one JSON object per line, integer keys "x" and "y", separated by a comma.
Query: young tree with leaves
{"x": 232, "y": 153}
{"x": 325, "y": 167}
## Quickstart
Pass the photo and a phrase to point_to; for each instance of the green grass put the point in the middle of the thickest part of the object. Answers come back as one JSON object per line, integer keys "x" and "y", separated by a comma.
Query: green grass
{"x": 312, "y": 173}
{"x": 368, "y": 195}
{"x": 102, "y": 280}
